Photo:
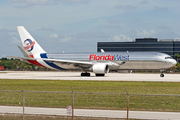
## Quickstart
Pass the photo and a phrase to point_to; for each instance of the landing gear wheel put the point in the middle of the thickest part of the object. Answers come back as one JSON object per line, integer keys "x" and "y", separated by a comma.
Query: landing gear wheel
{"x": 100, "y": 74}
{"x": 85, "y": 74}
{"x": 162, "y": 75}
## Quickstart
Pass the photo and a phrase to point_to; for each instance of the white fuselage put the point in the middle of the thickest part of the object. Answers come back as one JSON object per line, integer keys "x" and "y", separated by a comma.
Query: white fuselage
{"x": 123, "y": 60}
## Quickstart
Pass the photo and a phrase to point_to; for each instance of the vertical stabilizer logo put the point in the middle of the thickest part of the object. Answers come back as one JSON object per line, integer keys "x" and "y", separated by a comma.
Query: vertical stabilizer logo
{"x": 29, "y": 45}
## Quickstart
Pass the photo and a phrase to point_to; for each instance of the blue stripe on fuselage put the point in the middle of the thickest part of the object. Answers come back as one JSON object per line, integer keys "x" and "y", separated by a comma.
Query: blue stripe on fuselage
{"x": 43, "y": 55}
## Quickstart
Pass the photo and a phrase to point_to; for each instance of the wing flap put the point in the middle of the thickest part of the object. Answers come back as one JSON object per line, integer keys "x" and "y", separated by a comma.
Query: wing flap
{"x": 75, "y": 63}
{"x": 68, "y": 61}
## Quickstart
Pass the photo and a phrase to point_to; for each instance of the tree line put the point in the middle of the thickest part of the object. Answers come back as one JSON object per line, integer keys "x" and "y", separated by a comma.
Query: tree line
{"x": 14, "y": 64}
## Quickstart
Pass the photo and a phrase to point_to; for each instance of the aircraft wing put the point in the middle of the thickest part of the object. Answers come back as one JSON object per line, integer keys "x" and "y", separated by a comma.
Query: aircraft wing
{"x": 68, "y": 61}
{"x": 76, "y": 63}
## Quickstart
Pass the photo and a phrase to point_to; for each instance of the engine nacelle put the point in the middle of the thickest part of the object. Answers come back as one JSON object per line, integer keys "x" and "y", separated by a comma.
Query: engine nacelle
{"x": 100, "y": 68}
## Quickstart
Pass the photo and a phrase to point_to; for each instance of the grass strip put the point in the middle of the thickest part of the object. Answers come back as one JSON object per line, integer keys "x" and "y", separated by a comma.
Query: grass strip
{"x": 92, "y": 101}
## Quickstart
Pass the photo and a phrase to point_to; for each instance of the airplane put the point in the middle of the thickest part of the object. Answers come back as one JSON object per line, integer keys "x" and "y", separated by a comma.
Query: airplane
{"x": 99, "y": 63}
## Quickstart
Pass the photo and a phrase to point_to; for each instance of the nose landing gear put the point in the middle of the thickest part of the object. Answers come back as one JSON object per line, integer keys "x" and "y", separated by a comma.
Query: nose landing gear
{"x": 162, "y": 73}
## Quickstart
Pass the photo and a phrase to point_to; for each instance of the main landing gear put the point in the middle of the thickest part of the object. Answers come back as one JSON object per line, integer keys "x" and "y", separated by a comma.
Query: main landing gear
{"x": 100, "y": 74}
{"x": 162, "y": 73}
{"x": 88, "y": 74}
{"x": 85, "y": 74}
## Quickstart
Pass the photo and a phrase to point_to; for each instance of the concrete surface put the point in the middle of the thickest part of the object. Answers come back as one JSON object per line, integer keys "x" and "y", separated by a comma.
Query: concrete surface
{"x": 93, "y": 113}
{"x": 76, "y": 76}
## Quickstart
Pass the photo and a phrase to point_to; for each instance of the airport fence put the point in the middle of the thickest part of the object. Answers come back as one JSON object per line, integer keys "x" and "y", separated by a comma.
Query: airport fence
{"x": 90, "y": 100}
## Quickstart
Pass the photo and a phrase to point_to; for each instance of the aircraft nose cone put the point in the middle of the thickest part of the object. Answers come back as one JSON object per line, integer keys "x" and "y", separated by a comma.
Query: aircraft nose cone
{"x": 174, "y": 62}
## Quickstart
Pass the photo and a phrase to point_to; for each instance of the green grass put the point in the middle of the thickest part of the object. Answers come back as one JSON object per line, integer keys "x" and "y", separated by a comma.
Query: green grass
{"x": 92, "y": 101}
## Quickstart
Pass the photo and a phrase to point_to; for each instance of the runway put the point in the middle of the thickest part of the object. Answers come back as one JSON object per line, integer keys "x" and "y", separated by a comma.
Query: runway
{"x": 93, "y": 113}
{"x": 76, "y": 76}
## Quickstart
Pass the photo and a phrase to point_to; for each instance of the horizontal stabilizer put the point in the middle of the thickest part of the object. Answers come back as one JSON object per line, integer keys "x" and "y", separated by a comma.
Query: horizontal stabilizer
{"x": 21, "y": 58}
{"x": 23, "y": 52}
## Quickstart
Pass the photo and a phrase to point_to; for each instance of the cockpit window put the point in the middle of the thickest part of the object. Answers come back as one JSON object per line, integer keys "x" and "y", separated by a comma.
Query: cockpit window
{"x": 168, "y": 58}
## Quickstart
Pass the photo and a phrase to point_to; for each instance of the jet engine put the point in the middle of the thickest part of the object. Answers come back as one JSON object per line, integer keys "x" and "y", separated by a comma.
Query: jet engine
{"x": 100, "y": 69}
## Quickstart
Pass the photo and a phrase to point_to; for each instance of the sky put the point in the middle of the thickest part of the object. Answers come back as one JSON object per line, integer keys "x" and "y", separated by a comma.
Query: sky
{"x": 77, "y": 25}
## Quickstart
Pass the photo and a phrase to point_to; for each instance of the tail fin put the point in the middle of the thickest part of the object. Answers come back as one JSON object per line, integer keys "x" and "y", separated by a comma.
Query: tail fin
{"x": 31, "y": 47}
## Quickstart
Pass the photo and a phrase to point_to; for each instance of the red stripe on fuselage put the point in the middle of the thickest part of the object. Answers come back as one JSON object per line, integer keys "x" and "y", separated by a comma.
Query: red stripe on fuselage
{"x": 35, "y": 62}
{"x": 32, "y": 56}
